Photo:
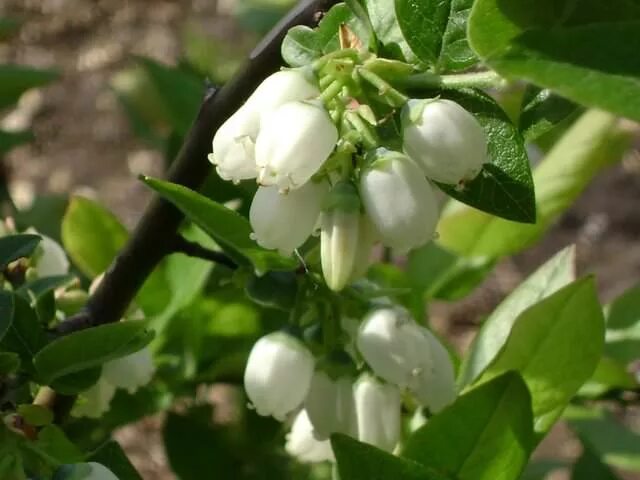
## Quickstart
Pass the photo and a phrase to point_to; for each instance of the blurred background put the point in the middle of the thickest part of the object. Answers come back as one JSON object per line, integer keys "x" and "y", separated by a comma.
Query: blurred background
{"x": 107, "y": 89}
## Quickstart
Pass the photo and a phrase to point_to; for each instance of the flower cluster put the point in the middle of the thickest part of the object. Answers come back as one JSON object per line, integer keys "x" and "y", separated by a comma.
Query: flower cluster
{"x": 320, "y": 166}
{"x": 393, "y": 356}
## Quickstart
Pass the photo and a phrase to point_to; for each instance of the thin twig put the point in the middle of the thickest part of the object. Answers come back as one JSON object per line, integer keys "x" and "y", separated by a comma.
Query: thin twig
{"x": 152, "y": 239}
{"x": 193, "y": 249}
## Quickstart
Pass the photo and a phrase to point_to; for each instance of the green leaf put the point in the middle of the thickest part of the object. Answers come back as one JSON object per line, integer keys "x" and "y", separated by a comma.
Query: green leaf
{"x": 17, "y": 79}
{"x": 385, "y": 24}
{"x": 9, "y": 363}
{"x": 542, "y": 110}
{"x": 8, "y": 26}
{"x": 111, "y": 455}
{"x": 486, "y": 434}
{"x": 555, "y": 345}
{"x": 13, "y": 247}
{"x": 588, "y": 54}
{"x": 556, "y": 273}
{"x": 436, "y": 31}
{"x": 90, "y": 348}
{"x": 589, "y": 466}
{"x": 35, "y": 415}
{"x": 91, "y": 235}
{"x": 443, "y": 275}
{"x": 593, "y": 142}
{"x": 360, "y": 461}
{"x": 303, "y": 45}
{"x": 39, "y": 287}
{"x": 54, "y": 447}
{"x": 181, "y": 92}
{"x": 78, "y": 382}
{"x": 609, "y": 375}
{"x": 25, "y": 336}
{"x": 609, "y": 439}
{"x": 226, "y": 226}
{"x": 504, "y": 187}
{"x": 623, "y": 314}
{"x": 273, "y": 290}
{"x": 10, "y": 140}
{"x": 6, "y": 312}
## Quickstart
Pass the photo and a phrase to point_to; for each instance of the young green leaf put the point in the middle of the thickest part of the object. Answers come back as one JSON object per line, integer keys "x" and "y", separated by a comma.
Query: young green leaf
{"x": 564, "y": 48}
{"x": 13, "y": 247}
{"x": 6, "y": 312}
{"x": 504, "y": 187}
{"x": 385, "y": 24}
{"x": 436, "y": 31}
{"x": 486, "y": 434}
{"x": 542, "y": 110}
{"x": 593, "y": 142}
{"x": 90, "y": 348}
{"x": 555, "y": 345}
{"x": 556, "y": 273}
{"x": 226, "y": 226}
{"x": 360, "y": 461}
{"x": 17, "y": 79}
{"x": 589, "y": 466}
{"x": 91, "y": 235}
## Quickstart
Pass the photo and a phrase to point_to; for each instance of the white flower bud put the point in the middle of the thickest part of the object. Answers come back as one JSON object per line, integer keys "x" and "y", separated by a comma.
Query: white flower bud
{"x": 234, "y": 146}
{"x": 51, "y": 258}
{"x": 367, "y": 237}
{"x": 330, "y": 406}
{"x": 285, "y": 221}
{"x": 340, "y": 235}
{"x": 278, "y": 374}
{"x": 302, "y": 445}
{"x": 399, "y": 201}
{"x": 95, "y": 402}
{"x": 130, "y": 372}
{"x": 445, "y": 140}
{"x": 378, "y": 412}
{"x": 408, "y": 355}
{"x": 294, "y": 141}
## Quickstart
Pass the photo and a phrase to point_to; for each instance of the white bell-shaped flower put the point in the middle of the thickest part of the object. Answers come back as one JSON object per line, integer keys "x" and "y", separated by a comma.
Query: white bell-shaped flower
{"x": 50, "y": 259}
{"x": 437, "y": 386}
{"x": 285, "y": 86}
{"x": 234, "y": 142}
{"x": 234, "y": 146}
{"x": 130, "y": 372}
{"x": 84, "y": 471}
{"x": 301, "y": 444}
{"x": 378, "y": 412}
{"x": 294, "y": 142}
{"x": 408, "y": 355}
{"x": 399, "y": 201}
{"x": 278, "y": 374}
{"x": 330, "y": 405}
{"x": 94, "y": 402}
{"x": 444, "y": 139}
{"x": 284, "y": 221}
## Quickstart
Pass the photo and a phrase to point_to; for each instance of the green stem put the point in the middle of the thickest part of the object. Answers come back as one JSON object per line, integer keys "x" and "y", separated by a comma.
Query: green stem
{"x": 395, "y": 98}
{"x": 331, "y": 91}
{"x": 487, "y": 79}
{"x": 364, "y": 129}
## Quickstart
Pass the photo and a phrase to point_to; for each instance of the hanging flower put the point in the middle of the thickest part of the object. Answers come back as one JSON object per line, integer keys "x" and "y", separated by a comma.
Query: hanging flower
{"x": 278, "y": 374}
{"x": 84, "y": 471}
{"x": 330, "y": 405}
{"x": 445, "y": 140}
{"x": 285, "y": 221}
{"x": 301, "y": 444}
{"x": 50, "y": 259}
{"x": 294, "y": 142}
{"x": 399, "y": 201}
{"x": 94, "y": 402}
{"x": 408, "y": 355}
{"x": 378, "y": 412}
{"x": 130, "y": 372}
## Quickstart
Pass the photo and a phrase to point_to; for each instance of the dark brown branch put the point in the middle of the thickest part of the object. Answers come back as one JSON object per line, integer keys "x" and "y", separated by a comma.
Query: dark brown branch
{"x": 152, "y": 239}
{"x": 193, "y": 249}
